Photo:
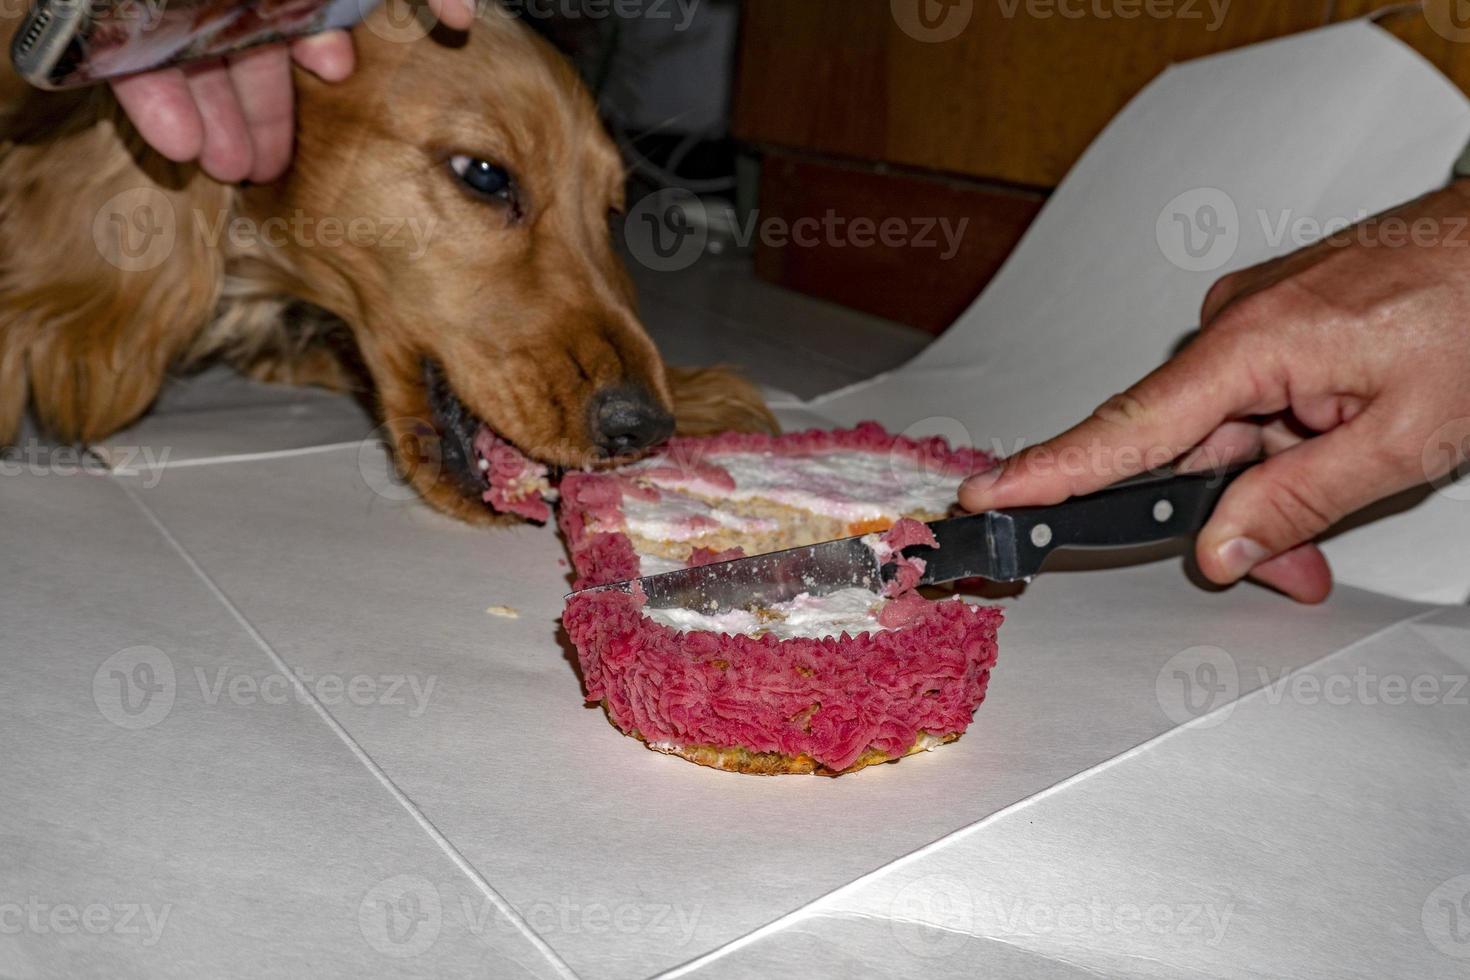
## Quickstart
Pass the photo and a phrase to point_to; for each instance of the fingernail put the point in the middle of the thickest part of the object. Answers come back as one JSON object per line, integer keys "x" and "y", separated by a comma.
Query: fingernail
{"x": 1239, "y": 555}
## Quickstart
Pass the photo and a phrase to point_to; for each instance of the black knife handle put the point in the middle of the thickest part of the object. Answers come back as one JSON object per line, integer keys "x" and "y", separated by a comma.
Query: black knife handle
{"x": 1134, "y": 512}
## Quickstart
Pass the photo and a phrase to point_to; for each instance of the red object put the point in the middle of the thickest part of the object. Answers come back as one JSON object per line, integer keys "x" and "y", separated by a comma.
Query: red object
{"x": 829, "y": 698}
{"x": 515, "y": 482}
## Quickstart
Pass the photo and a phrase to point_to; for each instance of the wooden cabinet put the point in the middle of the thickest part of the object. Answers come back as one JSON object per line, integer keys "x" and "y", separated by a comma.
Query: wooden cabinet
{"x": 976, "y": 110}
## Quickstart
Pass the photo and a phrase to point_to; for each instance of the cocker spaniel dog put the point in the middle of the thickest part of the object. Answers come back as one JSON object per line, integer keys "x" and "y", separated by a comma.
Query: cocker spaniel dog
{"x": 441, "y": 242}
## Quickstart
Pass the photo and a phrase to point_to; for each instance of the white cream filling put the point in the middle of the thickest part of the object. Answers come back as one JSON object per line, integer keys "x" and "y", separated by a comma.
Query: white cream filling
{"x": 657, "y": 565}
{"x": 850, "y": 611}
{"x": 676, "y": 517}
{"x": 850, "y": 485}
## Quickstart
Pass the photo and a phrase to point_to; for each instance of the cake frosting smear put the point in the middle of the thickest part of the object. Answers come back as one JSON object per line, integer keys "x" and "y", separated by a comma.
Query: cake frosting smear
{"x": 819, "y": 684}
{"x": 516, "y": 484}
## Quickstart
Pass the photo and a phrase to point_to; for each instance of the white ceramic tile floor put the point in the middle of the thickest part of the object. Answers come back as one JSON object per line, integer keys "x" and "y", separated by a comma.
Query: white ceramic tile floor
{"x": 718, "y": 312}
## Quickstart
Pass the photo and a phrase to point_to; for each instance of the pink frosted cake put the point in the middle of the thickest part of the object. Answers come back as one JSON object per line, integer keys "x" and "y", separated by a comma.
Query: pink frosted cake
{"x": 821, "y": 685}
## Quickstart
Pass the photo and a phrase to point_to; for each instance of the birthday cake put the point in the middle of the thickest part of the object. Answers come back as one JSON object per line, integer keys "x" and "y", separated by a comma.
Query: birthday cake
{"x": 819, "y": 684}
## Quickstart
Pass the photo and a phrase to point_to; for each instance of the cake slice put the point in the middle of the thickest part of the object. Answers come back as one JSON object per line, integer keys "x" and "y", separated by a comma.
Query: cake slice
{"x": 821, "y": 685}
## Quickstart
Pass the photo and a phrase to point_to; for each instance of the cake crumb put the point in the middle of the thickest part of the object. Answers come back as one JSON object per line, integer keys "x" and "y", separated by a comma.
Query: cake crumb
{"x": 504, "y": 612}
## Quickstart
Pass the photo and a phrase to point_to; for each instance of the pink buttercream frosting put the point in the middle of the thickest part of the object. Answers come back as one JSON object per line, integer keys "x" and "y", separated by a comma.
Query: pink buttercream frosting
{"x": 831, "y": 698}
{"x": 517, "y": 484}
{"x": 908, "y": 571}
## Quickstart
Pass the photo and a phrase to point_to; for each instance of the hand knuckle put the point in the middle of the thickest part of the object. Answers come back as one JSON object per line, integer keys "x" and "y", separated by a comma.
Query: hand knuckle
{"x": 1123, "y": 410}
{"x": 1219, "y": 294}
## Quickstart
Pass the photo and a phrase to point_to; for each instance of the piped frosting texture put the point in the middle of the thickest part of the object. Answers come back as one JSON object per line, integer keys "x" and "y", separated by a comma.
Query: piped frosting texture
{"x": 827, "y": 678}
{"x": 829, "y": 698}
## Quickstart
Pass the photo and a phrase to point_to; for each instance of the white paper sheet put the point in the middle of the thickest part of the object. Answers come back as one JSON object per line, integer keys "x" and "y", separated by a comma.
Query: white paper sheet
{"x": 623, "y": 862}
{"x": 159, "y": 818}
{"x": 1279, "y": 138}
{"x": 1299, "y": 832}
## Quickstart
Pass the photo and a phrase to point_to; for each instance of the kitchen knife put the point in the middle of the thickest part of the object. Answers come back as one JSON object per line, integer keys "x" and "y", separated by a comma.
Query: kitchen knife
{"x": 1001, "y": 545}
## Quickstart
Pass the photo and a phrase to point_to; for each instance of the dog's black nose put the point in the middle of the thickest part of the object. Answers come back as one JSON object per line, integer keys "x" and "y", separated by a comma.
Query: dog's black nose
{"x": 627, "y": 418}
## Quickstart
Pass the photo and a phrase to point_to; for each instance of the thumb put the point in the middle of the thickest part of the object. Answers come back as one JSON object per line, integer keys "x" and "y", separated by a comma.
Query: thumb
{"x": 1296, "y": 495}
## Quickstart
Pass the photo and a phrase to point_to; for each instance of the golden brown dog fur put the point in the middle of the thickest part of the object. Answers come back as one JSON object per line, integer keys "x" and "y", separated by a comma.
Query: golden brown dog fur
{"x": 528, "y": 313}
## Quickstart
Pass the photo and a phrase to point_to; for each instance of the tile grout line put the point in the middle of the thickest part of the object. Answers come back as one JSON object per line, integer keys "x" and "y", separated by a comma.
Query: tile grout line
{"x": 809, "y": 909}
{"x": 233, "y": 458}
{"x": 435, "y": 834}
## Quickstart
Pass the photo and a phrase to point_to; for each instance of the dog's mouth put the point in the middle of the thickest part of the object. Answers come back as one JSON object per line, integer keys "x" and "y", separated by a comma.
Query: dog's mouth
{"x": 481, "y": 462}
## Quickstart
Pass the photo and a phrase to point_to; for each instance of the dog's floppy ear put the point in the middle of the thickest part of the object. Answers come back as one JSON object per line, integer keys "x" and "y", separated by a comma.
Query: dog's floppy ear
{"x": 708, "y": 401}
{"x": 106, "y": 273}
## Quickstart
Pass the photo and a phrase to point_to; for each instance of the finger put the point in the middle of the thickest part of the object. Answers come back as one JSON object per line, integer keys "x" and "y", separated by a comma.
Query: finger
{"x": 1294, "y": 496}
{"x": 1301, "y": 573}
{"x": 227, "y": 154}
{"x": 458, "y": 14}
{"x": 1226, "y": 290}
{"x": 1146, "y": 427}
{"x": 329, "y": 55}
{"x": 1279, "y": 435}
{"x": 1242, "y": 440}
{"x": 262, "y": 81}
{"x": 163, "y": 111}
{"x": 1231, "y": 443}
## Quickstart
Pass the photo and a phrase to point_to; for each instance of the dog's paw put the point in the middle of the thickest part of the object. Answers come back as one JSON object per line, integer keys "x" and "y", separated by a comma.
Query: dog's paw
{"x": 708, "y": 401}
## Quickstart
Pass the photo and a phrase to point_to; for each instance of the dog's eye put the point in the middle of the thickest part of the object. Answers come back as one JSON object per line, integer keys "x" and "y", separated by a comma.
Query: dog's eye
{"x": 483, "y": 177}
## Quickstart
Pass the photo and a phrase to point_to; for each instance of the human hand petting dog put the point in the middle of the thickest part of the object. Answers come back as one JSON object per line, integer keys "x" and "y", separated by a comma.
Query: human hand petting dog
{"x": 235, "y": 115}
{"x": 1340, "y": 362}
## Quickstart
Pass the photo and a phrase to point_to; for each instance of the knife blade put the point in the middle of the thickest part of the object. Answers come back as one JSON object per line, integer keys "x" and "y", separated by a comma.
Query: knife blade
{"x": 1003, "y": 546}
